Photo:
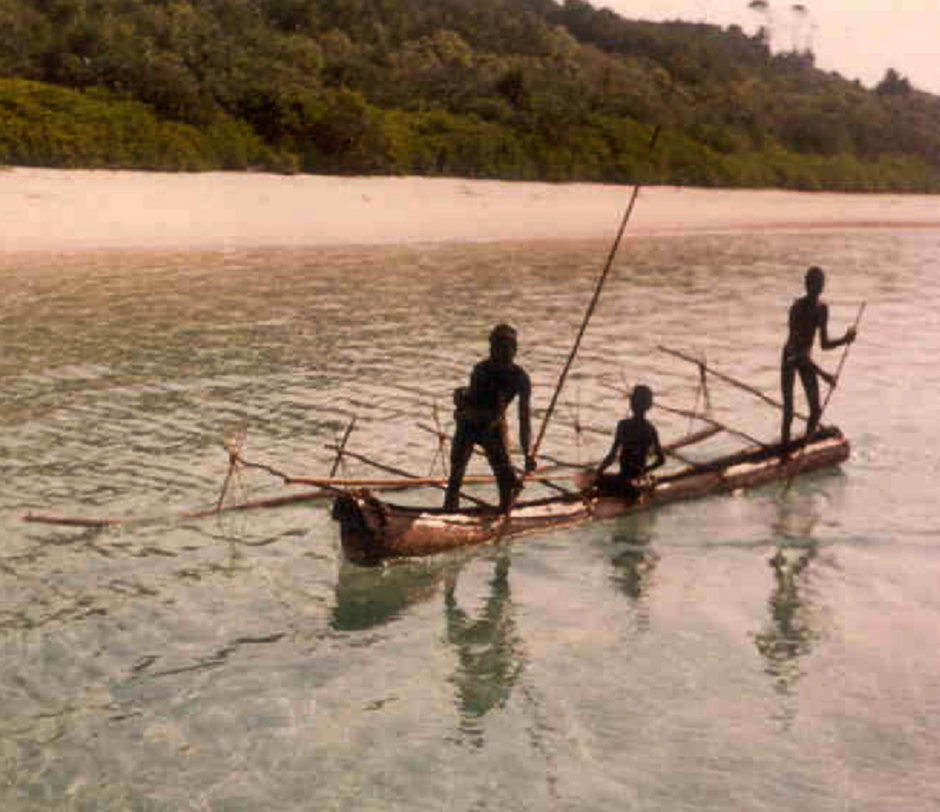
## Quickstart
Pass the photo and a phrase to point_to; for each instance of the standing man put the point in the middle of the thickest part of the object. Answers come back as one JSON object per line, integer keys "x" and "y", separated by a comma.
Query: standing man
{"x": 807, "y": 314}
{"x": 481, "y": 418}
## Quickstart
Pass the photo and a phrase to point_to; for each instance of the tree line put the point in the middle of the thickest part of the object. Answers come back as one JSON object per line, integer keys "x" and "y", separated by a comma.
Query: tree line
{"x": 507, "y": 89}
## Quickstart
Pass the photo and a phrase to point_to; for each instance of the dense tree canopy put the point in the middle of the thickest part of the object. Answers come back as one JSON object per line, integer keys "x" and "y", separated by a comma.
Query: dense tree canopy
{"x": 531, "y": 89}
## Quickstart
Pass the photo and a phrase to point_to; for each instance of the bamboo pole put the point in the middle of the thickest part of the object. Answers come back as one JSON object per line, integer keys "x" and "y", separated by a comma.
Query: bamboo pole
{"x": 396, "y": 472}
{"x": 342, "y": 446}
{"x": 728, "y": 379}
{"x": 592, "y": 306}
{"x": 842, "y": 360}
{"x": 198, "y": 513}
{"x": 693, "y": 437}
{"x": 580, "y": 427}
{"x": 72, "y": 521}
{"x": 670, "y": 450}
{"x": 713, "y": 422}
{"x": 409, "y": 481}
{"x": 232, "y": 462}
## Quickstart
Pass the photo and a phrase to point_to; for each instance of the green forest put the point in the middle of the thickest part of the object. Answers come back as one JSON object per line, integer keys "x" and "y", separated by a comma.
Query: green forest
{"x": 501, "y": 89}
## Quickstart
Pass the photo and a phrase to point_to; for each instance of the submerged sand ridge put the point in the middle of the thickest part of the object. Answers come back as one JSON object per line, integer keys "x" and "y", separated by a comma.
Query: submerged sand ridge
{"x": 78, "y": 210}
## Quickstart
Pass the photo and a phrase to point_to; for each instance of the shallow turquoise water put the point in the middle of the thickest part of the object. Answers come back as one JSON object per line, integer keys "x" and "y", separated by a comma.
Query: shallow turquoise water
{"x": 739, "y": 653}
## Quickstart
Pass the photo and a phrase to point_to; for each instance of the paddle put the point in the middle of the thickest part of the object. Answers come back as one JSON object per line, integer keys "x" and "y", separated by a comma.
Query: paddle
{"x": 845, "y": 354}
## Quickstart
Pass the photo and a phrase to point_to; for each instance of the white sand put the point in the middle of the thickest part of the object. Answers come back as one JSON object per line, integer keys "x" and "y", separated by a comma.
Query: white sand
{"x": 61, "y": 210}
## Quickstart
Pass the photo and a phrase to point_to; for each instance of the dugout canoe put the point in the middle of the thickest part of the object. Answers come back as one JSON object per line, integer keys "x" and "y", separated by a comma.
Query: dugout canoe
{"x": 373, "y": 531}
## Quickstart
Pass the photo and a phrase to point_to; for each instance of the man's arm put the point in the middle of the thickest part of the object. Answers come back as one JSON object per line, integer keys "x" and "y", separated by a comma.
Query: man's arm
{"x": 658, "y": 451}
{"x": 824, "y": 341}
{"x": 612, "y": 454}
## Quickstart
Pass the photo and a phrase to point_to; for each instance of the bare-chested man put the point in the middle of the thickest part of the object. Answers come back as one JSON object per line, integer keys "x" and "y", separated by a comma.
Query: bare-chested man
{"x": 634, "y": 441}
{"x": 807, "y": 315}
{"x": 481, "y": 409}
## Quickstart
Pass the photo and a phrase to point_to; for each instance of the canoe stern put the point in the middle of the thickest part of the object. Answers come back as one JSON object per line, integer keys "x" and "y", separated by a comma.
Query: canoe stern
{"x": 359, "y": 529}
{"x": 373, "y": 531}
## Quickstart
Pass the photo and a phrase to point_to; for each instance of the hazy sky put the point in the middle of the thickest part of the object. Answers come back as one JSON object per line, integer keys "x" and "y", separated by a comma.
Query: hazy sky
{"x": 859, "y": 39}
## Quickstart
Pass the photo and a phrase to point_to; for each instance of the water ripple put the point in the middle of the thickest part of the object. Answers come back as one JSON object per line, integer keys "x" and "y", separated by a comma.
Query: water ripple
{"x": 234, "y": 652}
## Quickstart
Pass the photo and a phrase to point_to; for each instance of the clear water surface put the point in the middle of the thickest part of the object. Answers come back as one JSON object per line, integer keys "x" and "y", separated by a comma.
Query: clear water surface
{"x": 738, "y": 653}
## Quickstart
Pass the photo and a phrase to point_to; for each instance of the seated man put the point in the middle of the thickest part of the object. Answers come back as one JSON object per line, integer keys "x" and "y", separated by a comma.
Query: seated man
{"x": 634, "y": 440}
{"x": 481, "y": 418}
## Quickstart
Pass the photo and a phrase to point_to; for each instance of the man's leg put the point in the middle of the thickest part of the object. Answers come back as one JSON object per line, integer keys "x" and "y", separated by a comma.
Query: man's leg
{"x": 461, "y": 450}
{"x": 499, "y": 461}
{"x": 811, "y": 387}
{"x": 615, "y": 485}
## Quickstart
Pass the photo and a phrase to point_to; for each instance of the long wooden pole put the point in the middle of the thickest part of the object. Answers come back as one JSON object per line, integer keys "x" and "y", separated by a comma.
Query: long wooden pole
{"x": 342, "y": 447}
{"x": 406, "y": 481}
{"x": 712, "y": 422}
{"x": 842, "y": 360}
{"x": 670, "y": 450}
{"x": 728, "y": 379}
{"x": 199, "y": 513}
{"x": 391, "y": 470}
{"x": 592, "y": 305}
{"x": 694, "y": 437}
{"x": 590, "y": 309}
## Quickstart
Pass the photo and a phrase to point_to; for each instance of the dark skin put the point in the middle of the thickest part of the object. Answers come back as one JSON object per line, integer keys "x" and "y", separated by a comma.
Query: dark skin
{"x": 636, "y": 438}
{"x": 808, "y": 315}
{"x": 494, "y": 384}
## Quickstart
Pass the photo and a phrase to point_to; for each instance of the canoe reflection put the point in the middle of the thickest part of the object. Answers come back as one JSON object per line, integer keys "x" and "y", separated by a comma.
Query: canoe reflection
{"x": 490, "y": 654}
{"x": 371, "y": 597}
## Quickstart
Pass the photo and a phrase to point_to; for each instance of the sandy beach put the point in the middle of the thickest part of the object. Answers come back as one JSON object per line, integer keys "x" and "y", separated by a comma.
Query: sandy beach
{"x": 66, "y": 210}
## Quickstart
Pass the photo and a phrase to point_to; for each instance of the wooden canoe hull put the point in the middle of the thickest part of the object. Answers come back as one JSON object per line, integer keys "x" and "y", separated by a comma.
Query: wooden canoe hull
{"x": 373, "y": 531}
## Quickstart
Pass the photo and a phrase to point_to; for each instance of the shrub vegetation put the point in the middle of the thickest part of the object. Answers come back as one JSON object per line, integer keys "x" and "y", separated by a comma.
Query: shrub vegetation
{"x": 509, "y": 89}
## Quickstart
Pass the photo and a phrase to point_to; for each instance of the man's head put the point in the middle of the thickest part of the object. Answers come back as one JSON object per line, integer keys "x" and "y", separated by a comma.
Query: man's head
{"x": 815, "y": 281}
{"x": 503, "y": 343}
{"x": 641, "y": 399}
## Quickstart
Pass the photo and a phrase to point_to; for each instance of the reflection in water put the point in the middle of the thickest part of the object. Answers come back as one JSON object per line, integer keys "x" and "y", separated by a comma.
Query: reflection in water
{"x": 119, "y": 379}
{"x": 489, "y": 651}
{"x": 635, "y": 563}
{"x": 793, "y": 630}
{"x": 371, "y": 597}
{"x": 791, "y": 633}
{"x": 633, "y": 572}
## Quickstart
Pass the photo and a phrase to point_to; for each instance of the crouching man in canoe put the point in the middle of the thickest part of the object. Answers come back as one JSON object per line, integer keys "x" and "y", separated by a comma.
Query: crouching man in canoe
{"x": 807, "y": 315}
{"x": 635, "y": 440}
{"x": 481, "y": 418}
